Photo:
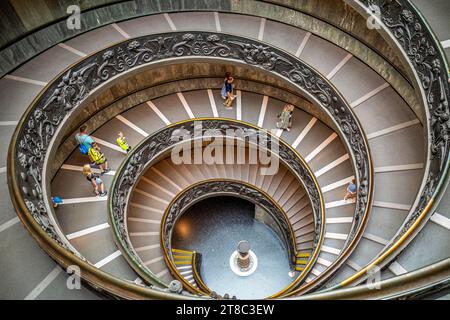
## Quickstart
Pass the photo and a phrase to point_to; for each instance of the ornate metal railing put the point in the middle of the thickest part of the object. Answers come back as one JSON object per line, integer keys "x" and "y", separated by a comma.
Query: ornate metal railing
{"x": 196, "y": 263}
{"x": 150, "y": 150}
{"x": 198, "y": 192}
{"x": 207, "y": 188}
{"x": 195, "y": 260}
{"x": 33, "y": 139}
{"x": 403, "y": 22}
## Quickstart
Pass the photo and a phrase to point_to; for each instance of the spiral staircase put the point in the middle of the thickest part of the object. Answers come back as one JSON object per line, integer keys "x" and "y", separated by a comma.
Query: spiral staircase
{"x": 371, "y": 104}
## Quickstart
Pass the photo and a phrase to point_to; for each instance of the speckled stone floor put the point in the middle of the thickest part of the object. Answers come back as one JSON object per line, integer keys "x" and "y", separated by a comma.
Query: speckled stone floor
{"x": 214, "y": 227}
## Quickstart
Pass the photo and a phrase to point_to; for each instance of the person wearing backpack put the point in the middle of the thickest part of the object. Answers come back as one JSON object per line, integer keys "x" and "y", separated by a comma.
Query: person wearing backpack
{"x": 122, "y": 142}
{"x": 84, "y": 140}
{"x": 98, "y": 158}
{"x": 94, "y": 179}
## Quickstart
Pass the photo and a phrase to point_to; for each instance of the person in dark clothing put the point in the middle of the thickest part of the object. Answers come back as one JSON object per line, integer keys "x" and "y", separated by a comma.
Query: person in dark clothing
{"x": 227, "y": 90}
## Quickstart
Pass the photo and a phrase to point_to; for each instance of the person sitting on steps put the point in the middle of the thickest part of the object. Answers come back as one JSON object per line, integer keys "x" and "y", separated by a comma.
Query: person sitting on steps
{"x": 285, "y": 117}
{"x": 98, "y": 158}
{"x": 227, "y": 90}
{"x": 350, "y": 195}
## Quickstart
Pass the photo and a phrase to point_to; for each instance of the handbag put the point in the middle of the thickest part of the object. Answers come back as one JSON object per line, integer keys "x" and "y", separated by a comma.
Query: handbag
{"x": 223, "y": 92}
{"x": 83, "y": 149}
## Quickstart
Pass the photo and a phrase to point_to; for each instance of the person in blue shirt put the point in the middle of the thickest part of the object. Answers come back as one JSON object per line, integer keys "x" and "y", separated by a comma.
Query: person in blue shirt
{"x": 83, "y": 138}
{"x": 351, "y": 191}
{"x": 56, "y": 201}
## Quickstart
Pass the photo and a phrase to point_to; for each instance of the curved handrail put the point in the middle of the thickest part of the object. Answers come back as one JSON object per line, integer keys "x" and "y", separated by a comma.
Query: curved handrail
{"x": 411, "y": 285}
{"x": 412, "y": 34}
{"x": 186, "y": 284}
{"x": 238, "y": 188}
{"x": 196, "y": 261}
{"x": 141, "y": 157}
{"x": 37, "y": 128}
{"x": 211, "y": 187}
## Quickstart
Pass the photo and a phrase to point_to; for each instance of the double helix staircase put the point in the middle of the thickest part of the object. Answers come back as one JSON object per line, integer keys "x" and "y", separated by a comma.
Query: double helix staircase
{"x": 394, "y": 128}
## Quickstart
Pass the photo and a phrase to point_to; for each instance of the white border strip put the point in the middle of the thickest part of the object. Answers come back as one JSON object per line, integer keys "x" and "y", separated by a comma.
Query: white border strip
{"x": 217, "y": 21}
{"x": 132, "y": 125}
{"x": 44, "y": 283}
{"x": 73, "y": 50}
{"x": 262, "y": 26}
{"x": 3, "y": 170}
{"x": 26, "y": 80}
{"x": 441, "y": 220}
{"x": 316, "y": 272}
{"x": 262, "y": 113}
{"x": 324, "y": 262}
{"x": 331, "y": 250}
{"x": 338, "y": 203}
{"x": 170, "y": 22}
{"x": 162, "y": 175}
{"x": 339, "y": 220}
{"x": 337, "y": 184}
{"x": 108, "y": 144}
{"x": 87, "y": 231}
{"x": 332, "y": 165}
{"x": 279, "y": 132}
{"x": 83, "y": 200}
{"x": 121, "y": 31}
{"x": 392, "y": 129}
{"x": 397, "y": 268}
{"x": 142, "y": 220}
{"x": 392, "y": 205}
{"x": 162, "y": 273}
{"x": 159, "y": 113}
{"x": 336, "y": 236}
{"x": 157, "y": 186}
{"x": 80, "y": 168}
{"x": 302, "y": 44}
{"x": 8, "y": 123}
{"x": 446, "y": 44}
{"x": 145, "y": 248}
{"x": 404, "y": 167}
{"x": 304, "y": 132}
{"x": 353, "y": 265}
{"x": 9, "y": 224}
{"x": 108, "y": 259}
{"x": 339, "y": 66}
{"x": 146, "y": 208}
{"x": 147, "y": 263}
{"x": 185, "y": 105}
{"x": 148, "y": 195}
{"x": 239, "y": 105}
{"x": 375, "y": 238}
{"x": 212, "y": 102}
{"x": 144, "y": 234}
{"x": 369, "y": 95}
{"x": 320, "y": 147}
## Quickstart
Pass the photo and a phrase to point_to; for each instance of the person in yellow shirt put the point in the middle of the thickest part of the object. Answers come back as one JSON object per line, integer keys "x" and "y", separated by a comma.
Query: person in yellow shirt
{"x": 98, "y": 158}
{"x": 122, "y": 142}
